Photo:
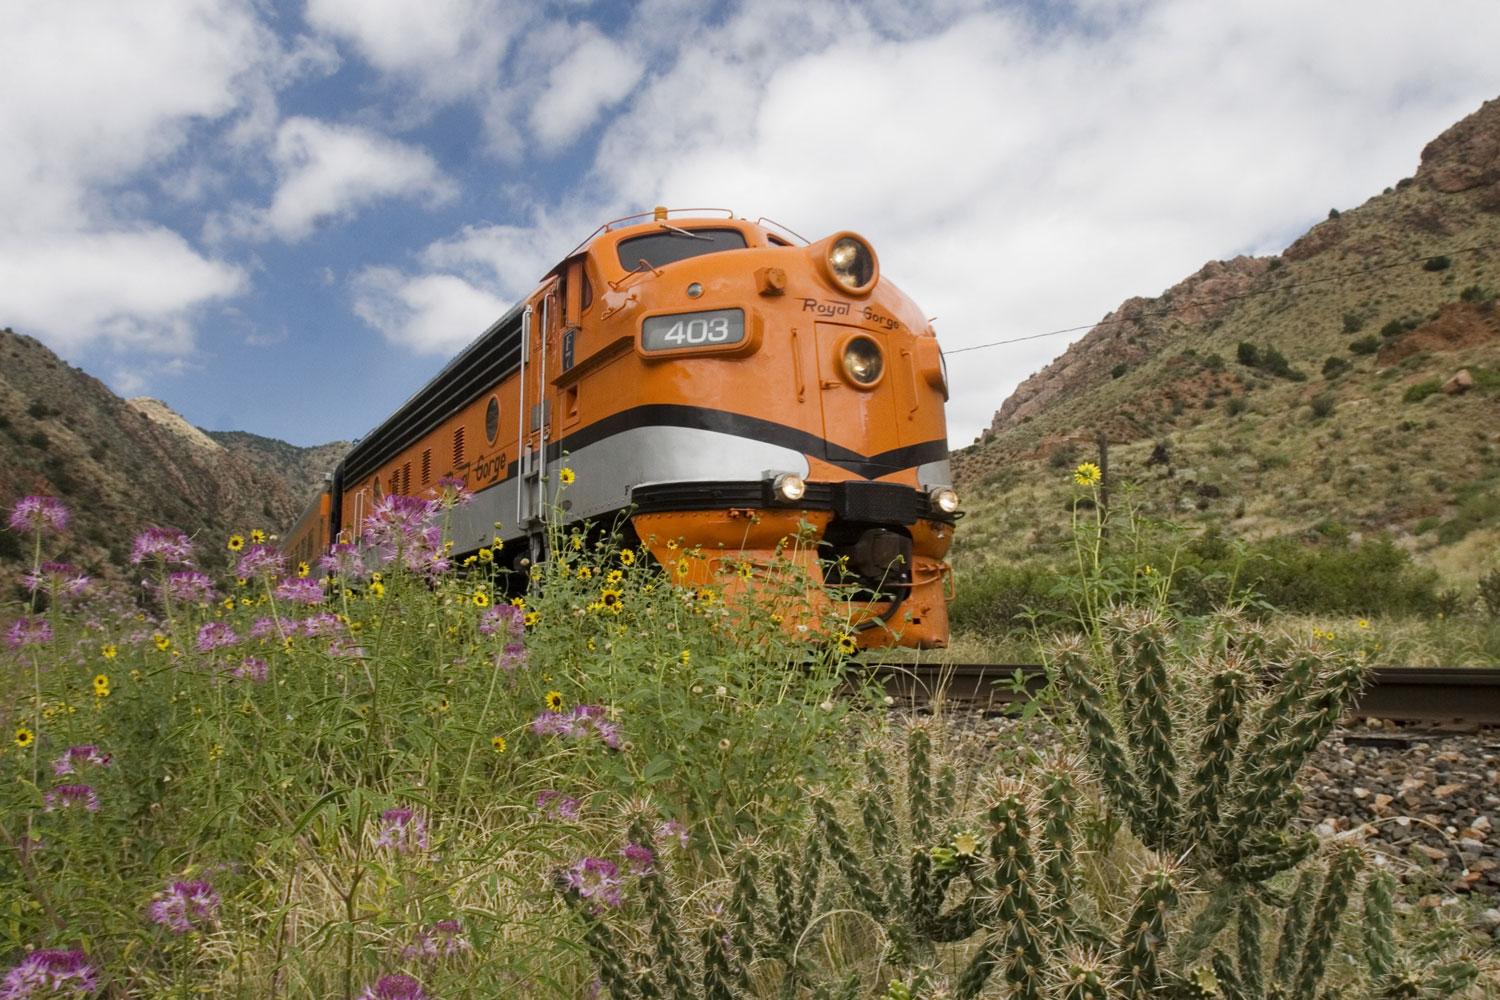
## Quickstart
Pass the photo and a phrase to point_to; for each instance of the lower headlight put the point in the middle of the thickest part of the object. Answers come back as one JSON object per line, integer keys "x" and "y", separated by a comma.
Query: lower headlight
{"x": 944, "y": 499}
{"x": 862, "y": 361}
{"x": 789, "y": 487}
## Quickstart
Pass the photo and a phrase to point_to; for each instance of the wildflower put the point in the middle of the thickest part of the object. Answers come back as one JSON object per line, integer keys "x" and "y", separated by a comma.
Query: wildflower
{"x": 575, "y": 541}
{"x": 1364, "y": 623}
{"x": 50, "y": 972}
{"x": 58, "y": 576}
{"x": 585, "y": 573}
{"x": 596, "y": 879}
{"x": 554, "y": 805}
{"x": 610, "y": 599}
{"x": 442, "y": 705}
{"x": 191, "y": 587}
{"x": 638, "y": 858}
{"x": 68, "y": 796}
{"x": 847, "y": 645}
{"x": 443, "y": 939}
{"x": 162, "y": 642}
{"x": 395, "y": 987}
{"x": 685, "y": 656}
{"x": 518, "y": 602}
{"x": 531, "y": 618}
{"x": 185, "y": 906}
{"x": 553, "y": 701}
{"x": 965, "y": 844}
{"x": 668, "y": 830}
{"x": 402, "y": 830}
{"x": 161, "y": 544}
{"x": 39, "y": 513}
{"x": 627, "y": 557}
{"x": 303, "y": 569}
{"x": 101, "y": 685}
{"x": 614, "y": 577}
{"x": 235, "y": 543}
{"x": 257, "y": 537}
{"x": 25, "y": 632}
{"x": 1087, "y": 474}
{"x": 109, "y": 651}
{"x": 252, "y": 668}
{"x": 215, "y": 635}
{"x": 344, "y": 560}
{"x": 300, "y": 590}
{"x": 506, "y": 616}
{"x": 683, "y": 567}
{"x": 77, "y": 757}
{"x": 512, "y": 656}
{"x": 24, "y": 737}
{"x": 377, "y": 589}
{"x": 583, "y": 721}
{"x": 744, "y": 570}
{"x": 481, "y": 599}
{"x": 565, "y": 476}
{"x": 498, "y": 743}
{"x": 1148, "y": 570}
{"x": 258, "y": 560}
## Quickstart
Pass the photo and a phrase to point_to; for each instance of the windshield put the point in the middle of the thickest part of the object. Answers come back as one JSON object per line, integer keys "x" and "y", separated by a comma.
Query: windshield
{"x": 672, "y": 245}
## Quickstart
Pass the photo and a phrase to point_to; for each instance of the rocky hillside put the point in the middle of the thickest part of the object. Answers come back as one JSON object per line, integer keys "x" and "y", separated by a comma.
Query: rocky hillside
{"x": 1350, "y": 383}
{"x": 302, "y": 468}
{"x": 123, "y": 465}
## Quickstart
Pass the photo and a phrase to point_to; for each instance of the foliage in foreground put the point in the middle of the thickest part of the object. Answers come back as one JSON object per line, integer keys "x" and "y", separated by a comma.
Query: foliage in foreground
{"x": 1159, "y": 862}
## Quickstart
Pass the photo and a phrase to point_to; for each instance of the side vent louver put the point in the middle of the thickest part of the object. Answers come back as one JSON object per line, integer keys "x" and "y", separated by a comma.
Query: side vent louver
{"x": 458, "y": 447}
{"x": 426, "y": 466}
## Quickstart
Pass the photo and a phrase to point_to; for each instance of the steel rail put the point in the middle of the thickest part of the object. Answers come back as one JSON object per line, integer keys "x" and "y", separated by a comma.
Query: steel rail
{"x": 1403, "y": 694}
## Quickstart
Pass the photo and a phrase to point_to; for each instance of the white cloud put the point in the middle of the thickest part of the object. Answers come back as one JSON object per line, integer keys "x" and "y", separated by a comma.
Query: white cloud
{"x": 97, "y": 93}
{"x": 427, "y": 314}
{"x": 597, "y": 73}
{"x": 327, "y": 172}
{"x": 136, "y": 289}
{"x": 448, "y": 48}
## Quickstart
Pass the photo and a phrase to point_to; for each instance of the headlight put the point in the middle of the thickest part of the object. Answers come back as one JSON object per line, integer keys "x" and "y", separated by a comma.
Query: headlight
{"x": 862, "y": 361}
{"x": 789, "y": 487}
{"x": 944, "y": 499}
{"x": 851, "y": 262}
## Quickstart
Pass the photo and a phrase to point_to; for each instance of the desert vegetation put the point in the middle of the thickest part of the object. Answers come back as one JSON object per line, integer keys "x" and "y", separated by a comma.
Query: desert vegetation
{"x": 378, "y": 777}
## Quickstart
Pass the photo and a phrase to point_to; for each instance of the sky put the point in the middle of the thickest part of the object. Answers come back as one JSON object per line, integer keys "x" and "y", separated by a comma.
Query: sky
{"x": 283, "y": 217}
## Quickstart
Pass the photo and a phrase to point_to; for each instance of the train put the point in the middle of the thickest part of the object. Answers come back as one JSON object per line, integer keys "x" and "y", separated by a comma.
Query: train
{"x": 715, "y": 385}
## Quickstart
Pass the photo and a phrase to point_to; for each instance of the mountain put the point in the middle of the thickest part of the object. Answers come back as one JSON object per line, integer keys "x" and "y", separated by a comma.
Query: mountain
{"x": 121, "y": 465}
{"x": 1350, "y": 384}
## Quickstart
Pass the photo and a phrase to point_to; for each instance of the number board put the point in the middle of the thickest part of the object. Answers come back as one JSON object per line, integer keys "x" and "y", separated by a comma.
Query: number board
{"x": 712, "y": 328}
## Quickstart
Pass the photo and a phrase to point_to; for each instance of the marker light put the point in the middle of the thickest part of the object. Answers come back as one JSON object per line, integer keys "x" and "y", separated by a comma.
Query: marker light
{"x": 789, "y": 487}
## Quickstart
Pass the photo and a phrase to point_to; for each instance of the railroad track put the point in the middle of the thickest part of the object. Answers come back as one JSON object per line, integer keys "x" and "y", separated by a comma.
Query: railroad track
{"x": 1404, "y": 694}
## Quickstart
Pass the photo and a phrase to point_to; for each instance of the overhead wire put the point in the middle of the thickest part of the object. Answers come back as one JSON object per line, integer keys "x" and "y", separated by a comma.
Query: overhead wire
{"x": 1169, "y": 310}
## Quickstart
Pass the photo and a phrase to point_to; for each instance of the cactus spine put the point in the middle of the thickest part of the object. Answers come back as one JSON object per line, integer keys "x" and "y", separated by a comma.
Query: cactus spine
{"x": 1104, "y": 749}
{"x": 1145, "y": 934}
{"x": 1293, "y": 927}
{"x": 1149, "y": 725}
{"x": 1380, "y": 924}
{"x": 1332, "y": 902}
{"x": 1248, "y": 947}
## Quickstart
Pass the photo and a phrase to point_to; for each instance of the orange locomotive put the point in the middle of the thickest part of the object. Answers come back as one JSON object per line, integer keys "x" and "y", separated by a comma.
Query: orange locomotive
{"x": 712, "y": 384}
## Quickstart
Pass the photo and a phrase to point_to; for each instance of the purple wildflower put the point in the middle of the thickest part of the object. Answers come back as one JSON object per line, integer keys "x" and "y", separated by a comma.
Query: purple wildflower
{"x": 443, "y": 939}
{"x": 39, "y": 513}
{"x": 668, "y": 830}
{"x": 215, "y": 635}
{"x": 160, "y": 543}
{"x": 402, "y": 830}
{"x": 300, "y": 590}
{"x": 322, "y": 624}
{"x": 259, "y": 560}
{"x": 511, "y": 657}
{"x": 191, "y": 588}
{"x": 50, "y": 972}
{"x": 262, "y": 627}
{"x": 28, "y": 632}
{"x": 455, "y": 492}
{"x": 639, "y": 858}
{"x": 78, "y": 757}
{"x": 56, "y": 576}
{"x": 505, "y": 616}
{"x": 597, "y": 879}
{"x": 554, "y": 805}
{"x": 343, "y": 560}
{"x": 396, "y": 987}
{"x": 68, "y": 796}
{"x": 346, "y": 649}
{"x": 578, "y": 724}
{"x": 251, "y": 668}
{"x": 185, "y": 906}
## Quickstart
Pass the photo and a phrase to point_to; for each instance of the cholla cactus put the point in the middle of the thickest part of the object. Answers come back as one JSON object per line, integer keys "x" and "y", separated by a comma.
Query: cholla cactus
{"x": 1380, "y": 924}
{"x": 1332, "y": 902}
{"x": 1146, "y": 933}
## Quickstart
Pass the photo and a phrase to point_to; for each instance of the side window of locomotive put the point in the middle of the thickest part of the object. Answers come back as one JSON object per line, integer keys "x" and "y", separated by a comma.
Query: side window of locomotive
{"x": 588, "y": 293}
{"x": 671, "y": 245}
{"x": 777, "y": 241}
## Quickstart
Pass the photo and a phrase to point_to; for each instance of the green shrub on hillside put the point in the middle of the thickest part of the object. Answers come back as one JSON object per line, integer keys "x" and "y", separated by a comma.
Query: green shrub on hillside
{"x": 1438, "y": 263}
{"x": 1321, "y": 405}
{"x": 1420, "y": 391}
{"x": 1334, "y": 366}
{"x": 1353, "y": 322}
{"x": 1365, "y": 345}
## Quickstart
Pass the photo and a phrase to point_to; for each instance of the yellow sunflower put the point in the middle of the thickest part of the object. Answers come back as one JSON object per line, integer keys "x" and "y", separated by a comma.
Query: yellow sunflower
{"x": 481, "y": 599}
{"x": 1087, "y": 474}
{"x": 257, "y": 537}
{"x": 101, "y": 685}
{"x": 303, "y": 569}
{"x": 498, "y": 742}
{"x": 24, "y": 737}
{"x": 627, "y": 557}
{"x": 846, "y": 644}
{"x": 235, "y": 543}
{"x": 565, "y": 476}
{"x": 554, "y": 701}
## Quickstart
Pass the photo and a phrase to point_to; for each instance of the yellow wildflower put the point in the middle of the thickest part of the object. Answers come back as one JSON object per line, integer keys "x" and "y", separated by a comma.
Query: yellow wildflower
{"x": 498, "y": 742}
{"x": 257, "y": 537}
{"x": 101, "y": 686}
{"x": 1087, "y": 474}
{"x": 553, "y": 701}
{"x": 486, "y": 555}
{"x": 109, "y": 651}
{"x": 531, "y": 618}
{"x": 846, "y": 644}
{"x": 481, "y": 599}
{"x": 24, "y": 737}
{"x": 377, "y": 589}
{"x": 565, "y": 476}
{"x": 585, "y": 573}
{"x": 235, "y": 543}
{"x": 303, "y": 569}
{"x": 627, "y": 557}
{"x": 162, "y": 642}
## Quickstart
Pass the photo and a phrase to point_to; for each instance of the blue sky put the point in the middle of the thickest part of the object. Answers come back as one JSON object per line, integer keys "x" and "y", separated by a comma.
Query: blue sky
{"x": 282, "y": 218}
